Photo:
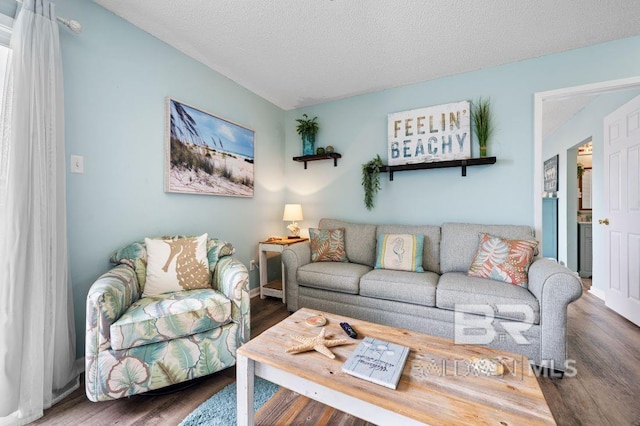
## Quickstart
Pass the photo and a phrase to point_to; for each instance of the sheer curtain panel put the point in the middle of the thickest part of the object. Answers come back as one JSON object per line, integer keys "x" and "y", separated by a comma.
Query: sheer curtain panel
{"x": 37, "y": 337}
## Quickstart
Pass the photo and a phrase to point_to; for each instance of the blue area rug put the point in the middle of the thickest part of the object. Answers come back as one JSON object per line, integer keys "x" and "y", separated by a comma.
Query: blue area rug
{"x": 220, "y": 409}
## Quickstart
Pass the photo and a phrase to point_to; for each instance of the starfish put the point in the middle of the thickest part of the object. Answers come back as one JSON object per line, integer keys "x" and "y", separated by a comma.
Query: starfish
{"x": 318, "y": 343}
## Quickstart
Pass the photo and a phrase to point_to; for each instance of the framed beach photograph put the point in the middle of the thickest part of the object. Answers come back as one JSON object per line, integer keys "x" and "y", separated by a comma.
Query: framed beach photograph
{"x": 206, "y": 154}
{"x": 551, "y": 175}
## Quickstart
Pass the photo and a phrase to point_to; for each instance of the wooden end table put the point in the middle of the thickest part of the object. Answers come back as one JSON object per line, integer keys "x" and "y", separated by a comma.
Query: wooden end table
{"x": 275, "y": 288}
{"x": 434, "y": 387}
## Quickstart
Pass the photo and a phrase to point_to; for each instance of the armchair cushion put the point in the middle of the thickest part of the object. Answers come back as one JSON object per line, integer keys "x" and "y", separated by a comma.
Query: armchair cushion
{"x": 176, "y": 265}
{"x": 170, "y": 316}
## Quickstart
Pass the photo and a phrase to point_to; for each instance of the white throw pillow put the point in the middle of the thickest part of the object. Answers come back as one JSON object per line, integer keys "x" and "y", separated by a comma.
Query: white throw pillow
{"x": 176, "y": 265}
{"x": 401, "y": 252}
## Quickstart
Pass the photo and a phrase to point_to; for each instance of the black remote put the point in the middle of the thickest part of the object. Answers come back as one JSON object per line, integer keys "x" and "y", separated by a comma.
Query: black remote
{"x": 349, "y": 330}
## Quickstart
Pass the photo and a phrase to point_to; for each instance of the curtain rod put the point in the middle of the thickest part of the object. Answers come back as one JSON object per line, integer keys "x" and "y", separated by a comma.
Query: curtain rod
{"x": 74, "y": 26}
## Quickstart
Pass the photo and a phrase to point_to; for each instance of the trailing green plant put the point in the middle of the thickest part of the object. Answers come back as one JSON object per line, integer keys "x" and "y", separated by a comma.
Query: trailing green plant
{"x": 483, "y": 124}
{"x": 371, "y": 180}
{"x": 306, "y": 125}
{"x": 580, "y": 170}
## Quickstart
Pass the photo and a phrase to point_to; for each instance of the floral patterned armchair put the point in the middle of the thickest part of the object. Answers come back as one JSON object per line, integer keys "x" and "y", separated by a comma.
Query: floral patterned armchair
{"x": 135, "y": 344}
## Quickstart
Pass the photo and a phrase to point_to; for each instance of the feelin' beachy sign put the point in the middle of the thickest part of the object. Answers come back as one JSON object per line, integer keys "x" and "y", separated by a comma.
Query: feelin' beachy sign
{"x": 437, "y": 133}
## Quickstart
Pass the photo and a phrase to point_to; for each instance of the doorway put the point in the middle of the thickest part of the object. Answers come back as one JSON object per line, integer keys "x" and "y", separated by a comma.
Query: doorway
{"x": 571, "y": 94}
{"x": 584, "y": 213}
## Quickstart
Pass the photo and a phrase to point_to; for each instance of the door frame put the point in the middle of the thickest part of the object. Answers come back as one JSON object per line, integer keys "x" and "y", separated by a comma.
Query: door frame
{"x": 559, "y": 94}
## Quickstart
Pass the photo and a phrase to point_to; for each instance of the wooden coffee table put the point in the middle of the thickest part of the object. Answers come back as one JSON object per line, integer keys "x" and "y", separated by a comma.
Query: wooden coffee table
{"x": 437, "y": 385}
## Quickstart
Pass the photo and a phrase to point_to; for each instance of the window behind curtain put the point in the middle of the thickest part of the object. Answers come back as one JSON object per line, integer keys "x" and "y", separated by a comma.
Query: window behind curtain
{"x": 6, "y": 23}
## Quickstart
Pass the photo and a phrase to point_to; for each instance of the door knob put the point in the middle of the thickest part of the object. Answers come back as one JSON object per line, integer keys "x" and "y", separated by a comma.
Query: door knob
{"x": 603, "y": 221}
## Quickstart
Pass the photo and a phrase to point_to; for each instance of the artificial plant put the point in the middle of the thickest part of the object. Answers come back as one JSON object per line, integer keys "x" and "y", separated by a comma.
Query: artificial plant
{"x": 483, "y": 124}
{"x": 371, "y": 180}
{"x": 307, "y": 126}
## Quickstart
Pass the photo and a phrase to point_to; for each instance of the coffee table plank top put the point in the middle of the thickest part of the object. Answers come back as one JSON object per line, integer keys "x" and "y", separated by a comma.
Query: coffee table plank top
{"x": 436, "y": 386}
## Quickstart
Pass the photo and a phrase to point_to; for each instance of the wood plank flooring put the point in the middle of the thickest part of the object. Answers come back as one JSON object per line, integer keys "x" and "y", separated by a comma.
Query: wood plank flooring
{"x": 605, "y": 391}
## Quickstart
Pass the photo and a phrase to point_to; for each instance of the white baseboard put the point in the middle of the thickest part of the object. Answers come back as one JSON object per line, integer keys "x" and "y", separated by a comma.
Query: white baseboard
{"x": 80, "y": 365}
{"x": 254, "y": 292}
{"x": 597, "y": 293}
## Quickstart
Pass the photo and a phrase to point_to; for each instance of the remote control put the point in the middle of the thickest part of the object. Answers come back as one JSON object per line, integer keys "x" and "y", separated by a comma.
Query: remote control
{"x": 349, "y": 330}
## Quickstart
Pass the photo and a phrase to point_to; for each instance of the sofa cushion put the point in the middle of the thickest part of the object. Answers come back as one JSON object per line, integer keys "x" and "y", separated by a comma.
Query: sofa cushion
{"x": 327, "y": 245}
{"x": 400, "y": 252}
{"x": 460, "y": 242}
{"x": 431, "y": 245}
{"x": 456, "y": 289}
{"x": 400, "y": 286}
{"x": 359, "y": 240}
{"x": 169, "y": 316}
{"x": 503, "y": 260}
{"x": 336, "y": 276}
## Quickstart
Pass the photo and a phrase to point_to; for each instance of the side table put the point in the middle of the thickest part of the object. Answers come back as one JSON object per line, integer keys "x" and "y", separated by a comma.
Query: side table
{"x": 274, "y": 288}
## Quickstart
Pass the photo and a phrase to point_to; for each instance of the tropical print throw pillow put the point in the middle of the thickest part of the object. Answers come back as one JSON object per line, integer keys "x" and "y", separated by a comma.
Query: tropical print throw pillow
{"x": 327, "y": 245}
{"x": 503, "y": 260}
{"x": 401, "y": 252}
{"x": 176, "y": 265}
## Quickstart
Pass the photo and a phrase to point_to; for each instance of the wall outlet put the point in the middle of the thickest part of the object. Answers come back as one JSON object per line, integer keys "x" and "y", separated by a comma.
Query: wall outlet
{"x": 252, "y": 265}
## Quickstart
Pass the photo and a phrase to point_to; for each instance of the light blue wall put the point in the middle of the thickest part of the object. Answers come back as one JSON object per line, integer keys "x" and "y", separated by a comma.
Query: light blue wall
{"x": 116, "y": 81}
{"x": 587, "y": 123}
{"x": 500, "y": 193}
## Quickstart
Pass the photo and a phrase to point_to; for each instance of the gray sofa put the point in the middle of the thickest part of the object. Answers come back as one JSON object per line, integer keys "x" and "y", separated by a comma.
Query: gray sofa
{"x": 431, "y": 301}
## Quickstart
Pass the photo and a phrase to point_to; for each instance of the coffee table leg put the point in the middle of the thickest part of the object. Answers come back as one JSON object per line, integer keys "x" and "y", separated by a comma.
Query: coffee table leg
{"x": 245, "y": 369}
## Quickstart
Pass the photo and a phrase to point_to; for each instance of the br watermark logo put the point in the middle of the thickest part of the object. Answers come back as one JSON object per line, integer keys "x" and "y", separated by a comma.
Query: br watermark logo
{"x": 474, "y": 323}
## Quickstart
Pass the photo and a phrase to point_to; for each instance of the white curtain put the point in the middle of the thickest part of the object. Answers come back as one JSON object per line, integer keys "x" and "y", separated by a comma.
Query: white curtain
{"x": 37, "y": 337}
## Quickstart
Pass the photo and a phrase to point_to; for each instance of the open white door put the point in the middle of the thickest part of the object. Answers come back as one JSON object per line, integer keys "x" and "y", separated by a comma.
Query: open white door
{"x": 622, "y": 223}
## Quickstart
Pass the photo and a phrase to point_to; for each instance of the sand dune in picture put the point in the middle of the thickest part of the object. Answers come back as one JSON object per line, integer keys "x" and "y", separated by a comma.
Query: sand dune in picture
{"x": 232, "y": 174}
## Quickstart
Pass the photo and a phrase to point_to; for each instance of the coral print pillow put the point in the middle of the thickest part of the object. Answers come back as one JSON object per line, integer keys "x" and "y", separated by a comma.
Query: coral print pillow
{"x": 503, "y": 260}
{"x": 176, "y": 265}
{"x": 327, "y": 245}
{"x": 402, "y": 252}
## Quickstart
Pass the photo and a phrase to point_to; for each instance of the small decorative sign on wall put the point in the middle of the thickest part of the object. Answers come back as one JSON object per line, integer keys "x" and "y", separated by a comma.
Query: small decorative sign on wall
{"x": 437, "y": 133}
{"x": 551, "y": 175}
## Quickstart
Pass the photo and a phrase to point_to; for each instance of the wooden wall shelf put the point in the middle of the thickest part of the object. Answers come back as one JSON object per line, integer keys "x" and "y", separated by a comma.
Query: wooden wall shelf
{"x": 328, "y": 156}
{"x": 439, "y": 165}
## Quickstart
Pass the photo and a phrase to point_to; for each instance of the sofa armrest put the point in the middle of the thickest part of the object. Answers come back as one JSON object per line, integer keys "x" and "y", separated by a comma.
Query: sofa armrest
{"x": 555, "y": 286}
{"x": 231, "y": 278}
{"x": 293, "y": 257}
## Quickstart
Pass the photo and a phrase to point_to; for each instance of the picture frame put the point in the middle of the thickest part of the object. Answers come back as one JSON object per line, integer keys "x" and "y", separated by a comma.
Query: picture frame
{"x": 550, "y": 173}
{"x": 206, "y": 154}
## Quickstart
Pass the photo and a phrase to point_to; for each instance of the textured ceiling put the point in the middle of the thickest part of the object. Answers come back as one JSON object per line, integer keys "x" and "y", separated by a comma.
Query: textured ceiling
{"x": 296, "y": 53}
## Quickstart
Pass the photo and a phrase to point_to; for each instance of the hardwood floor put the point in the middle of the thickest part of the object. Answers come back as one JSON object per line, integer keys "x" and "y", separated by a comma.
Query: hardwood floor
{"x": 606, "y": 350}
{"x": 605, "y": 390}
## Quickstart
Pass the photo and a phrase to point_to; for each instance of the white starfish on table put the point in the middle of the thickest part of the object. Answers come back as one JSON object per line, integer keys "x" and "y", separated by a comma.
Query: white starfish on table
{"x": 318, "y": 343}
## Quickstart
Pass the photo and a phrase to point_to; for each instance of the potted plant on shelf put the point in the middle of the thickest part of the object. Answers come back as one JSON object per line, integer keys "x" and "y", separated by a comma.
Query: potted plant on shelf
{"x": 371, "y": 180}
{"x": 307, "y": 129}
{"x": 482, "y": 123}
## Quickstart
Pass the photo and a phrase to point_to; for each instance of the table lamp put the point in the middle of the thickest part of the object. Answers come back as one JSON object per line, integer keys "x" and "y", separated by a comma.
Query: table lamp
{"x": 293, "y": 212}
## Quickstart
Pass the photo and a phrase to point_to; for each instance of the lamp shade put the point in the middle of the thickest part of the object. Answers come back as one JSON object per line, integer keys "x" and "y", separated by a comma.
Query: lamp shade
{"x": 292, "y": 212}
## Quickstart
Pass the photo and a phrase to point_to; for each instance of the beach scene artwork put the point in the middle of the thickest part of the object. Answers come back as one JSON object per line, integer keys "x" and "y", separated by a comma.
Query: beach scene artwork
{"x": 207, "y": 154}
